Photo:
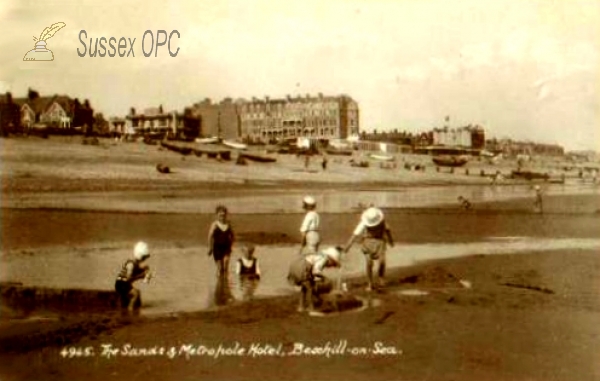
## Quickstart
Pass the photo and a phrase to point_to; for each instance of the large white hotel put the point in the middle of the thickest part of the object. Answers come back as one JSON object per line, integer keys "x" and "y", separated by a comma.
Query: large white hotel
{"x": 317, "y": 117}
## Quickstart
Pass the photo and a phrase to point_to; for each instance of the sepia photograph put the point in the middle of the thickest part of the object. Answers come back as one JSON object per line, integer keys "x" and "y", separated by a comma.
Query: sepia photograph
{"x": 300, "y": 190}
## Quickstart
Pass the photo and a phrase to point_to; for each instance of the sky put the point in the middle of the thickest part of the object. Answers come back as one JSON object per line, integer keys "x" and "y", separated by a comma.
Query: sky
{"x": 522, "y": 69}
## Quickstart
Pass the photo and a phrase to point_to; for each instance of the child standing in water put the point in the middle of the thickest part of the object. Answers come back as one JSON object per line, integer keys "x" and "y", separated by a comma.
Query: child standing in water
{"x": 248, "y": 271}
{"x": 247, "y": 265}
{"x": 220, "y": 241}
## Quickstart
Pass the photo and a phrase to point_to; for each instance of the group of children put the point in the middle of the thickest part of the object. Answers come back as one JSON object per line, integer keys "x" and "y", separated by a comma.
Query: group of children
{"x": 306, "y": 271}
{"x": 220, "y": 238}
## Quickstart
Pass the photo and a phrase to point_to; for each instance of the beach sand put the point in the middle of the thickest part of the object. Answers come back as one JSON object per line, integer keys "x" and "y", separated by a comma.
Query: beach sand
{"x": 528, "y": 315}
{"x": 525, "y": 317}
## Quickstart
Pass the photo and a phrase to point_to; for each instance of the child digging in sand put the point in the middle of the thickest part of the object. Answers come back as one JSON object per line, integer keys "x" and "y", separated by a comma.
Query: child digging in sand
{"x": 307, "y": 272}
{"x": 133, "y": 269}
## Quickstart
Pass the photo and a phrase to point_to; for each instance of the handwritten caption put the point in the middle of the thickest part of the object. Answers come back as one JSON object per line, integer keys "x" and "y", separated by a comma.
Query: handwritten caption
{"x": 236, "y": 349}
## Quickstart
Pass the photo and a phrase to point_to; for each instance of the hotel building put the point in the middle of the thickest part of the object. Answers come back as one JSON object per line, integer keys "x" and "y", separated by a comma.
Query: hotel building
{"x": 319, "y": 117}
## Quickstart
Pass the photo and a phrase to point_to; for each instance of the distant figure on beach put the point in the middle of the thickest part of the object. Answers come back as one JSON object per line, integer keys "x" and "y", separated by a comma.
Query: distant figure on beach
{"x": 133, "y": 269}
{"x": 375, "y": 235}
{"x": 248, "y": 271}
{"x": 220, "y": 240}
{"x": 324, "y": 162}
{"x": 464, "y": 203}
{"x": 537, "y": 204}
{"x": 307, "y": 272}
{"x": 497, "y": 177}
{"x": 310, "y": 227}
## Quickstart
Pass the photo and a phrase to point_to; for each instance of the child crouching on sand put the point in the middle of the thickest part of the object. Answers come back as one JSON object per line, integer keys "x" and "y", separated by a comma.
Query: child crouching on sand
{"x": 133, "y": 269}
{"x": 307, "y": 272}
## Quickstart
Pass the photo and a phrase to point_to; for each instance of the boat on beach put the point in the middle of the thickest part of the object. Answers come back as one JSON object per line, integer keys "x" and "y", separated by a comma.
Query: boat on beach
{"x": 529, "y": 175}
{"x": 382, "y": 157}
{"x": 212, "y": 140}
{"x": 450, "y": 160}
{"x": 257, "y": 157}
{"x": 235, "y": 145}
{"x": 338, "y": 152}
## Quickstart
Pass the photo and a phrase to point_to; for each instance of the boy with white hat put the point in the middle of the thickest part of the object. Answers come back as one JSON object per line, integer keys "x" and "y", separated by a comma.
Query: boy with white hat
{"x": 374, "y": 232}
{"x": 307, "y": 272}
{"x": 133, "y": 270}
{"x": 310, "y": 227}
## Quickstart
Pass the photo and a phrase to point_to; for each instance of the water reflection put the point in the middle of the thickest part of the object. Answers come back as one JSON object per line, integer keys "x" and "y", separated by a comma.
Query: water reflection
{"x": 222, "y": 294}
{"x": 336, "y": 201}
{"x": 248, "y": 286}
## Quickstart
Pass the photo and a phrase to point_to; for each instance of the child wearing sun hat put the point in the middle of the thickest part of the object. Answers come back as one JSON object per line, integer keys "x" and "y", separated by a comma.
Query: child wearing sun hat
{"x": 133, "y": 269}
{"x": 375, "y": 235}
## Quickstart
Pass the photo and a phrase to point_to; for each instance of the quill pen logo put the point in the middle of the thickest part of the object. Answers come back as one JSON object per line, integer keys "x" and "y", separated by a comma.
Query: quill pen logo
{"x": 41, "y": 53}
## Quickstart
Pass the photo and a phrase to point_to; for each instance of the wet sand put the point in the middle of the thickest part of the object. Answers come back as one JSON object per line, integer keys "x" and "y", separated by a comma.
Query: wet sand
{"x": 526, "y": 317}
{"x": 514, "y": 316}
{"x": 530, "y": 315}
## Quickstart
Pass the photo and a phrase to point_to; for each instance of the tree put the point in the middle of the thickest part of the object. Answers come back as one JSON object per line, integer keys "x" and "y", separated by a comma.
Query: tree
{"x": 10, "y": 116}
{"x": 87, "y": 118}
{"x": 191, "y": 124}
{"x": 100, "y": 124}
{"x": 76, "y": 113}
{"x": 32, "y": 94}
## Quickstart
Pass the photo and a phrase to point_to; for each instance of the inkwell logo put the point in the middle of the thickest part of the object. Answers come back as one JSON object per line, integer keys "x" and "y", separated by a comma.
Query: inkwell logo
{"x": 41, "y": 53}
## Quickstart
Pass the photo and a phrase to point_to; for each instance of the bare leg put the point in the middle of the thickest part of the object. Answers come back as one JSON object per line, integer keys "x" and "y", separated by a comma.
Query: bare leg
{"x": 221, "y": 267}
{"x": 369, "y": 269}
{"x": 225, "y": 264}
{"x": 381, "y": 271}
{"x": 302, "y": 304}
{"x": 134, "y": 300}
{"x": 309, "y": 297}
